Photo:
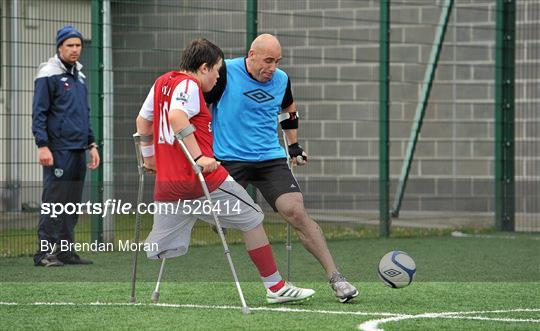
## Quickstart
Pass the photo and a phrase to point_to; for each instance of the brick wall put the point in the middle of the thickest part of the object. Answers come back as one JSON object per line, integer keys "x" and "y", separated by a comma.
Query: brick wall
{"x": 527, "y": 125}
{"x": 330, "y": 51}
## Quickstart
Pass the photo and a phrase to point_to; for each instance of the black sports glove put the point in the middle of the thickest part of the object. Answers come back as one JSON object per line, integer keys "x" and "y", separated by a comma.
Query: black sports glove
{"x": 296, "y": 150}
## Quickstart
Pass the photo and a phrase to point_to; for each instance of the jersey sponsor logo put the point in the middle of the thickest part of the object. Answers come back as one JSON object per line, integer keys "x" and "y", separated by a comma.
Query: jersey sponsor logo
{"x": 182, "y": 96}
{"x": 259, "y": 95}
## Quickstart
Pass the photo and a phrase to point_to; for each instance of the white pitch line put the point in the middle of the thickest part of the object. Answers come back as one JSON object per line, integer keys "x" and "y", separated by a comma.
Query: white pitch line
{"x": 172, "y": 305}
{"x": 335, "y": 312}
{"x": 459, "y": 234}
{"x": 497, "y": 319}
{"x": 276, "y": 309}
{"x": 373, "y": 325}
{"x": 515, "y": 310}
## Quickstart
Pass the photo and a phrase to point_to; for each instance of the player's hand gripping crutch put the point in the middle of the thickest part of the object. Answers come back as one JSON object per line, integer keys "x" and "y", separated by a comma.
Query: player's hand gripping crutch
{"x": 137, "y": 138}
{"x": 299, "y": 159}
{"x": 198, "y": 171}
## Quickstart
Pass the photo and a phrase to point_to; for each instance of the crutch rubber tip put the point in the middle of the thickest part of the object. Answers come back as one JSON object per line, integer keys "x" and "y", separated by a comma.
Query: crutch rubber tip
{"x": 132, "y": 300}
{"x": 246, "y": 310}
{"x": 155, "y": 297}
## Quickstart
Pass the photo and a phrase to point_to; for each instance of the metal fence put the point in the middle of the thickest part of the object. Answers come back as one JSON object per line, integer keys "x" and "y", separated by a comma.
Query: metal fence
{"x": 527, "y": 119}
{"x": 332, "y": 54}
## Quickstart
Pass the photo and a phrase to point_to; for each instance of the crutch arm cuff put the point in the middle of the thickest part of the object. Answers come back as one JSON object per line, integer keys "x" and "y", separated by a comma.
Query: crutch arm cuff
{"x": 288, "y": 121}
{"x": 185, "y": 132}
{"x": 146, "y": 138}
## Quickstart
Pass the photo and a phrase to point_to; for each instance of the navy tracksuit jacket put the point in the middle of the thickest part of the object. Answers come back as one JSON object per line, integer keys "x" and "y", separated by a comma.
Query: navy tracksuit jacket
{"x": 61, "y": 121}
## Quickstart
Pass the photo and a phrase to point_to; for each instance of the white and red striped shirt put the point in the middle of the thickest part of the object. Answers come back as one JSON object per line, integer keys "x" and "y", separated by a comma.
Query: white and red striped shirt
{"x": 175, "y": 178}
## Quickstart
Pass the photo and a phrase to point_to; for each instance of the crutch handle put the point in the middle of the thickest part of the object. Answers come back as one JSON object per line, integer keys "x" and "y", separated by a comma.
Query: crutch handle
{"x": 199, "y": 168}
{"x": 137, "y": 138}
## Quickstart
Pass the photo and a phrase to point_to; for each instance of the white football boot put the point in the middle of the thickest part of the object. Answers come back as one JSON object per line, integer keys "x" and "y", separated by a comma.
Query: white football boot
{"x": 289, "y": 293}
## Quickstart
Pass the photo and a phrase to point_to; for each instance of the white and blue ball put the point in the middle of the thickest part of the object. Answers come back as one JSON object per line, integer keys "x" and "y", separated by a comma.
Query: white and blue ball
{"x": 397, "y": 269}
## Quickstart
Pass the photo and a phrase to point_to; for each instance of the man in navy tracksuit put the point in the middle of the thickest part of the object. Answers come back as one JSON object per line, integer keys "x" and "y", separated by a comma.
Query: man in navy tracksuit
{"x": 61, "y": 127}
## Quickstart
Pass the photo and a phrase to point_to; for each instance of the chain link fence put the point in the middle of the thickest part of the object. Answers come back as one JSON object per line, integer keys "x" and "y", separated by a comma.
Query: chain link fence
{"x": 331, "y": 54}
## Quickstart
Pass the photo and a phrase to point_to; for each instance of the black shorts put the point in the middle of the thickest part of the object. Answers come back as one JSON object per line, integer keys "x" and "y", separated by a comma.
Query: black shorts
{"x": 273, "y": 178}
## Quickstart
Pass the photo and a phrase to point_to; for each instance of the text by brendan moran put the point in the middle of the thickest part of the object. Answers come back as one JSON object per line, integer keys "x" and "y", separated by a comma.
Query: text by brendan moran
{"x": 122, "y": 246}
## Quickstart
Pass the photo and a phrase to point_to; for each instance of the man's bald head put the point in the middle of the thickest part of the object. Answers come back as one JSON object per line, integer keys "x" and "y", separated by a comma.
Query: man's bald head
{"x": 265, "y": 41}
{"x": 263, "y": 57}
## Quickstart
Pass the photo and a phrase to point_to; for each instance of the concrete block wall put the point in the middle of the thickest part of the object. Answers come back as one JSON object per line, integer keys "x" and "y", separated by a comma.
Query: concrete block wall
{"x": 330, "y": 51}
{"x": 527, "y": 124}
{"x": 148, "y": 38}
{"x": 339, "y": 100}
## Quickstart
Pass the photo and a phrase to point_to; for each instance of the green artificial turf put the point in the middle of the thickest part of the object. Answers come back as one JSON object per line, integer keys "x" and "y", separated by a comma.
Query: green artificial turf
{"x": 454, "y": 275}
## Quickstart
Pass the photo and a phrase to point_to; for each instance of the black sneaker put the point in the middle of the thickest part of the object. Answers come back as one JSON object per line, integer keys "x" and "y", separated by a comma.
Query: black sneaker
{"x": 50, "y": 260}
{"x": 75, "y": 259}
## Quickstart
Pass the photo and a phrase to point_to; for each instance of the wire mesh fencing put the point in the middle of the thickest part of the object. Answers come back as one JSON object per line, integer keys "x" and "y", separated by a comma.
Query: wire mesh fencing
{"x": 330, "y": 52}
{"x": 527, "y": 121}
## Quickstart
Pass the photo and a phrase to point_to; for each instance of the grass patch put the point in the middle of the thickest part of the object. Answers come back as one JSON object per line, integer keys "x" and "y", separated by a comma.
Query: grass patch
{"x": 454, "y": 275}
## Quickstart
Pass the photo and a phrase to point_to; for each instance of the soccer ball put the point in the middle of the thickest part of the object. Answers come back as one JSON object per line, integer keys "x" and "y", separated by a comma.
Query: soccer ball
{"x": 397, "y": 269}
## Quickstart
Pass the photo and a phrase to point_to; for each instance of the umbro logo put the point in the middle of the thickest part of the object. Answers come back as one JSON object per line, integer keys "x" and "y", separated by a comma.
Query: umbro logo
{"x": 258, "y": 95}
{"x": 392, "y": 272}
{"x": 293, "y": 186}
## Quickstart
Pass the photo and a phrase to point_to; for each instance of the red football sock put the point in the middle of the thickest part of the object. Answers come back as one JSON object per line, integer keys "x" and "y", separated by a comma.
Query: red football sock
{"x": 264, "y": 261}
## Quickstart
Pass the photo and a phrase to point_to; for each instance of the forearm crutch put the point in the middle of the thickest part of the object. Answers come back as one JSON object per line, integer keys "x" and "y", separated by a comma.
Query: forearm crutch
{"x": 137, "y": 139}
{"x": 288, "y": 245}
{"x": 198, "y": 171}
{"x": 155, "y": 294}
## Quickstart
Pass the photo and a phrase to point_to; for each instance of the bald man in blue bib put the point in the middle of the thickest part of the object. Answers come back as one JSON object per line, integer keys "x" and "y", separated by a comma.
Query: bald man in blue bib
{"x": 250, "y": 94}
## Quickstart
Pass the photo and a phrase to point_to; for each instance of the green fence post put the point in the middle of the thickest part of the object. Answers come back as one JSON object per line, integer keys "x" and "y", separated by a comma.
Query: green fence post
{"x": 384, "y": 132}
{"x": 251, "y": 34}
{"x": 96, "y": 104}
{"x": 504, "y": 116}
{"x": 251, "y": 22}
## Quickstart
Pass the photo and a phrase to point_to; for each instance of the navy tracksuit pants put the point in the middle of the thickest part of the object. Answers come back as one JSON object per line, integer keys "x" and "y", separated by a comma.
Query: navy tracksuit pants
{"x": 62, "y": 183}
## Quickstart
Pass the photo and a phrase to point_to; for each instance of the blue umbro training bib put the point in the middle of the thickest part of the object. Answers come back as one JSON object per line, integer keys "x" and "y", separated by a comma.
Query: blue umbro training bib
{"x": 244, "y": 120}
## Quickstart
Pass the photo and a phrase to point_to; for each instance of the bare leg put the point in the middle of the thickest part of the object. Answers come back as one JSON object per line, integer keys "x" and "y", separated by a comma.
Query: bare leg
{"x": 291, "y": 207}
{"x": 255, "y": 237}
